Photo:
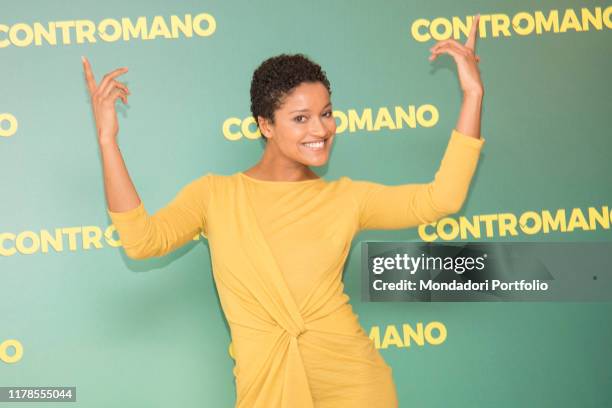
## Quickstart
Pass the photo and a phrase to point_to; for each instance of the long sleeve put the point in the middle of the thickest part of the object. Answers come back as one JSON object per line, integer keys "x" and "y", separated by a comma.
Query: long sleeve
{"x": 145, "y": 236}
{"x": 407, "y": 205}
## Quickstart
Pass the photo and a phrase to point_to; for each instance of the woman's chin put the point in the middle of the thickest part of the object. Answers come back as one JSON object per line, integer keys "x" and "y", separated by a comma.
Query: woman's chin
{"x": 317, "y": 162}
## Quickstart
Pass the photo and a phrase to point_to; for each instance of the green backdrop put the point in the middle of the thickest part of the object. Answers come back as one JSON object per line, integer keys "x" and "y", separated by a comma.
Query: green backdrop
{"x": 151, "y": 333}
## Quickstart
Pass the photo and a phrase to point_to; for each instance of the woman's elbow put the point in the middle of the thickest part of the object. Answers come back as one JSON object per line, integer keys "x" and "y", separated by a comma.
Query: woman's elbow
{"x": 446, "y": 204}
{"x": 139, "y": 252}
{"x": 136, "y": 254}
{"x": 454, "y": 206}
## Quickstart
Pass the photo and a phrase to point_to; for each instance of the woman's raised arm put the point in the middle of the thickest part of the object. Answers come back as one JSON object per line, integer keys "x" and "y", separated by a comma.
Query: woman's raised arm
{"x": 467, "y": 61}
{"x": 120, "y": 192}
{"x": 408, "y": 205}
{"x": 142, "y": 235}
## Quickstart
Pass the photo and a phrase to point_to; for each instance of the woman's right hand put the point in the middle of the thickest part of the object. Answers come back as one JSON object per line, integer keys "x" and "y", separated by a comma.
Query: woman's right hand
{"x": 103, "y": 97}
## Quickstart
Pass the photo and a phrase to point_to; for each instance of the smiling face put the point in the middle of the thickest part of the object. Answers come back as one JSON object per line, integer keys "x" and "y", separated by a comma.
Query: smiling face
{"x": 304, "y": 126}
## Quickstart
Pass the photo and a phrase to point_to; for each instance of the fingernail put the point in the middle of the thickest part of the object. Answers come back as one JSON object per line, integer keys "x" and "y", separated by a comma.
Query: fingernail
{"x": 83, "y": 59}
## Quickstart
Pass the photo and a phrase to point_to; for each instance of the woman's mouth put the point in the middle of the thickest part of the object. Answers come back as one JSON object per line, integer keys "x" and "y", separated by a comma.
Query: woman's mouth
{"x": 320, "y": 145}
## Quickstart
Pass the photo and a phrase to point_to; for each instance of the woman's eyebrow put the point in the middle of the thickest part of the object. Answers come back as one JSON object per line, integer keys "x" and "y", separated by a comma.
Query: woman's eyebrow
{"x": 307, "y": 110}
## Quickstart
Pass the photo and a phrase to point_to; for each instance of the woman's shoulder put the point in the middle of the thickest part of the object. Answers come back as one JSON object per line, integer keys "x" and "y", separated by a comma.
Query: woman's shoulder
{"x": 212, "y": 178}
{"x": 345, "y": 181}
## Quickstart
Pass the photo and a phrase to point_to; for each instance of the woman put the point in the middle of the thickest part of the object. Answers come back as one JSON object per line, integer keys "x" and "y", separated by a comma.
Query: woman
{"x": 279, "y": 234}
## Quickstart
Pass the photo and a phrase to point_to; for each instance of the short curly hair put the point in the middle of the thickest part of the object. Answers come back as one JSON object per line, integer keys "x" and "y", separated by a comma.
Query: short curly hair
{"x": 276, "y": 77}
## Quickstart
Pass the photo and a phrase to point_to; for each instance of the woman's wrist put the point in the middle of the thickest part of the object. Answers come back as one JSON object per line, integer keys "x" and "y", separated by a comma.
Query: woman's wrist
{"x": 107, "y": 143}
{"x": 469, "y": 116}
{"x": 473, "y": 94}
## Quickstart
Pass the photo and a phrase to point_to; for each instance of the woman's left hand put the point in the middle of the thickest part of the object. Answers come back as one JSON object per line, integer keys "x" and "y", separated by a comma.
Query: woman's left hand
{"x": 465, "y": 57}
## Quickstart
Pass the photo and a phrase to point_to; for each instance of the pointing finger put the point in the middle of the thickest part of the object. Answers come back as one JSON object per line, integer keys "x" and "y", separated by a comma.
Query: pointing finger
{"x": 89, "y": 77}
{"x": 471, "y": 40}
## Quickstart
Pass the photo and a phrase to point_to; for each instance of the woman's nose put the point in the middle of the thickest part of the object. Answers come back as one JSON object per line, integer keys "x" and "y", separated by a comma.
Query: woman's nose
{"x": 318, "y": 128}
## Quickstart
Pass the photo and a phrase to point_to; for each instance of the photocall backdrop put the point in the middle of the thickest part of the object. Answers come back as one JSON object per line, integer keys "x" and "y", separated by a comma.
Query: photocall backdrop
{"x": 75, "y": 311}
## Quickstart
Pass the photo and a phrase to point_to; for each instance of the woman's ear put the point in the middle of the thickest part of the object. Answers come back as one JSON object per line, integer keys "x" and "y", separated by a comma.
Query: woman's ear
{"x": 264, "y": 127}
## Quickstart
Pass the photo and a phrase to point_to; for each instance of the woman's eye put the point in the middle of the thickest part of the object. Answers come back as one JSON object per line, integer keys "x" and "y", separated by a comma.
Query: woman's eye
{"x": 298, "y": 118}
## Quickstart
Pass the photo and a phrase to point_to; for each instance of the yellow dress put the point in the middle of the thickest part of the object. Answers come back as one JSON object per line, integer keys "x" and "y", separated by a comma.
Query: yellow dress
{"x": 278, "y": 251}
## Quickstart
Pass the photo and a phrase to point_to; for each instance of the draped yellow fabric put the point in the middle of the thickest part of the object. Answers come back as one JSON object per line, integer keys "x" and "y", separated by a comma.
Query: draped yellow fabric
{"x": 278, "y": 251}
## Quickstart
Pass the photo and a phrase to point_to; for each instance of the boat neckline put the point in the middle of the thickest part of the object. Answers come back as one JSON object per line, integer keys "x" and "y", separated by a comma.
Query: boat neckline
{"x": 278, "y": 182}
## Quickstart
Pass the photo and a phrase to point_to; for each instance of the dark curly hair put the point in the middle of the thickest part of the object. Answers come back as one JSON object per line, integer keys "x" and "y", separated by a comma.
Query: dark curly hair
{"x": 276, "y": 77}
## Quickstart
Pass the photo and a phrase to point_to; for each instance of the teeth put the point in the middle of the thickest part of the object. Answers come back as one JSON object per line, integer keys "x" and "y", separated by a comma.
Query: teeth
{"x": 314, "y": 145}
